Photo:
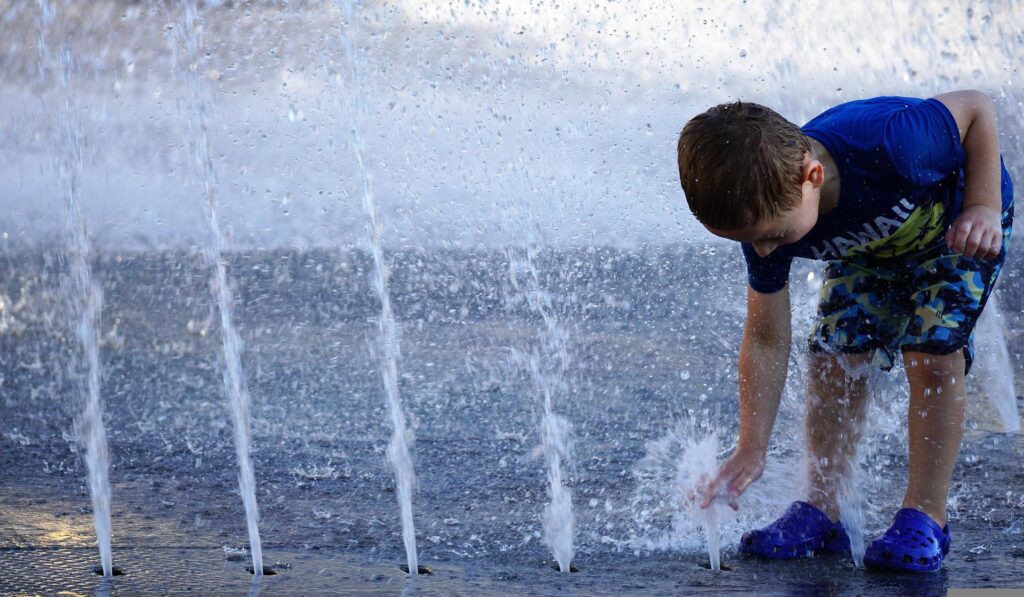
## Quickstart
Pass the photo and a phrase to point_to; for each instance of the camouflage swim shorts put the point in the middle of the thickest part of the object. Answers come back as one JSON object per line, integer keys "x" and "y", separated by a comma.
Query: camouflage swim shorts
{"x": 926, "y": 302}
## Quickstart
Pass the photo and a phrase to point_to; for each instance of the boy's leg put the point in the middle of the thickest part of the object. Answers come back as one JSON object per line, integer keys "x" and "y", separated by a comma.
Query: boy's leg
{"x": 936, "y": 419}
{"x": 952, "y": 291}
{"x": 836, "y": 405}
{"x": 858, "y": 324}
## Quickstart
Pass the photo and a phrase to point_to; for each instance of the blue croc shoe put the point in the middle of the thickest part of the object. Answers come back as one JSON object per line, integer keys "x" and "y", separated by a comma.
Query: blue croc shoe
{"x": 802, "y": 531}
{"x": 914, "y": 543}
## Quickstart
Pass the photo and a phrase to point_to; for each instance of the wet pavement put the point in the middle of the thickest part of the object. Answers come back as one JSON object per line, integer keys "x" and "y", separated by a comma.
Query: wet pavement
{"x": 653, "y": 341}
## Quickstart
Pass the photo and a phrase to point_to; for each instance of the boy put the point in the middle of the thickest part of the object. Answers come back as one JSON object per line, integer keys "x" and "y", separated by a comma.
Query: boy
{"x": 909, "y": 202}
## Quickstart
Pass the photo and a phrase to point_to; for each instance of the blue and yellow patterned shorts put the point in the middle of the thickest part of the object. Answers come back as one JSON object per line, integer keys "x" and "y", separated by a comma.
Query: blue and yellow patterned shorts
{"x": 926, "y": 302}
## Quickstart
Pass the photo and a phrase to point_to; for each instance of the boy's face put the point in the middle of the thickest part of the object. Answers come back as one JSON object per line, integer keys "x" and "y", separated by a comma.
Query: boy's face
{"x": 789, "y": 226}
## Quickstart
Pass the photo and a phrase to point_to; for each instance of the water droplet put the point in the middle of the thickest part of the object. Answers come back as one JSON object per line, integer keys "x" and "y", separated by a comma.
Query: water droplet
{"x": 684, "y": 375}
{"x": 743, "y": 53}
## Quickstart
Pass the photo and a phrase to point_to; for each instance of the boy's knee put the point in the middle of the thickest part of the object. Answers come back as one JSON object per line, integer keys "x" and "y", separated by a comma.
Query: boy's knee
{"x": 934, "y": 373}
{"x": 934, "y": 364}
{"x": 840, "y": 368}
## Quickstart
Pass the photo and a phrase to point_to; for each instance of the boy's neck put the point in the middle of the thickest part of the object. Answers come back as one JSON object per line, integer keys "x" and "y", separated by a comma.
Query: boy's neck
{"x": 830, "y": 189}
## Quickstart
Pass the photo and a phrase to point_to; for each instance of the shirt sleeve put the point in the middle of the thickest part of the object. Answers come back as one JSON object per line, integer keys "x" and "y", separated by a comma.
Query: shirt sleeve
{"x": 923, "y": 143}
{"x": 766, "y": 275}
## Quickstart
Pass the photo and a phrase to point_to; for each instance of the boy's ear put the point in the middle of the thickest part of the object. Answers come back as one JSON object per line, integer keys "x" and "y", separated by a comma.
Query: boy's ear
{"x": 814, "y": 172}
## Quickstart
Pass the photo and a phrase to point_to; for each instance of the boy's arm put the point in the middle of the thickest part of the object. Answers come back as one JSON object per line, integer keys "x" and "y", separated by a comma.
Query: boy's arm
{"x": 977, "y": 232}
{"x": 764, "y": 358}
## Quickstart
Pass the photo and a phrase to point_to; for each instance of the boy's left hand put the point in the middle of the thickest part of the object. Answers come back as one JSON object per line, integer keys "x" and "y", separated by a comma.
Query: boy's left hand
{"x": 977, "y": 233}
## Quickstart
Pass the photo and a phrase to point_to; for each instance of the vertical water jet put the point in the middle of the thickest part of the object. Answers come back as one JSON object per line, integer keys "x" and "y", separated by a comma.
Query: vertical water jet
{"x": 82, "y": 292}
{"x": 387, "y": 327}
{"x": 851, "y": 511}
{"x": 547, "y": 365}
{"x": 239, "y": 402}
{"x": 712, "y": 536}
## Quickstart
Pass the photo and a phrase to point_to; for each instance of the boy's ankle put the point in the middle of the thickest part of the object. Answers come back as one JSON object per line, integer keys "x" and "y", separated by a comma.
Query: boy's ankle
{"x": 829, "y": 507}
{"x": 936, "y": 514}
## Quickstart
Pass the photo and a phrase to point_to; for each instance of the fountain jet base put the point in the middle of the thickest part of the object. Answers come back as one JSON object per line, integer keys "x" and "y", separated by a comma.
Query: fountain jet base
{"x": 572, "y": 567}
{"x": 723, "y": 567}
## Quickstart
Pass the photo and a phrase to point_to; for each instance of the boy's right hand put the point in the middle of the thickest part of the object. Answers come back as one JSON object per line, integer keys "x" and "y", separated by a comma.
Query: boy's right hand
{"x": 735, "y": 475}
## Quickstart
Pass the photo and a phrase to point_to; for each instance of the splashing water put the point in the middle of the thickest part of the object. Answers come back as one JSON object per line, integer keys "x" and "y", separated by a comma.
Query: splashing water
{"x": 548, "y": 380}
{"x": 530, "y": 89}
{"x": 666, "y": 502}
{"x": 993, "y": 399}
{"x": 387, "y": 328}
{"x": 86, "y": 299}
{"x": 558, "y": 426}
{"x": 698, "y": 464}
{"x": 233, "y": 375}
{"x": 677, "y": 466}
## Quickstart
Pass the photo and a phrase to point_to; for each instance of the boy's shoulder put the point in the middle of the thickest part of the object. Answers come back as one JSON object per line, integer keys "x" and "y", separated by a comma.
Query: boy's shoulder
{"x": 863, "y": 111}
{"x": 915, "y": 138}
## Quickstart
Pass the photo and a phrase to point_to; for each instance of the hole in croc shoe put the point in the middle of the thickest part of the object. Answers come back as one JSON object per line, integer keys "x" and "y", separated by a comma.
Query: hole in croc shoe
{"x": 931, "y": 540}
{"x": 924, "y": 561}
{"x": 907, "y": 559}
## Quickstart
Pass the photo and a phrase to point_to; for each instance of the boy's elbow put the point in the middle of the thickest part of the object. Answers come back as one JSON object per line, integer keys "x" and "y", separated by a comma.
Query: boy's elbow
{"x": 967, "y": 107}
{"x": 967, "y": 97}
{"x": 980, "y": 102}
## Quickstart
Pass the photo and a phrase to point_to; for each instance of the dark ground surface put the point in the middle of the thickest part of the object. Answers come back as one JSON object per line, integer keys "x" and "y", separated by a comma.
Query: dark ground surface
{"x": 653, "y": 342}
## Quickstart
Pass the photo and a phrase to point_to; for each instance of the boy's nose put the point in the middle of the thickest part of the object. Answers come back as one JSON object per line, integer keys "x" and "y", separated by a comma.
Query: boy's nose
{"x": 765, "y": 249}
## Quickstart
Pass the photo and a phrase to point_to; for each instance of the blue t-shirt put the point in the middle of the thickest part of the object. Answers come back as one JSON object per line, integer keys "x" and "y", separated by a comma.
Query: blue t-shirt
{"x": 901, "y": 178}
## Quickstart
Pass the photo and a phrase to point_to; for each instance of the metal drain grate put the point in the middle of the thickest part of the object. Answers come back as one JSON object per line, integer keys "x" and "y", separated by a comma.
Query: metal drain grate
{"x": 150, "y": 570}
